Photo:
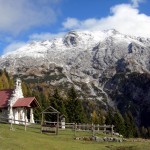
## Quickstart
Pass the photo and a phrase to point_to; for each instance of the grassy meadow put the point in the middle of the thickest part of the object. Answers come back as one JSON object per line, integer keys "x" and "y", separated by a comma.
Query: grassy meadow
{"x": 32, "y": 139}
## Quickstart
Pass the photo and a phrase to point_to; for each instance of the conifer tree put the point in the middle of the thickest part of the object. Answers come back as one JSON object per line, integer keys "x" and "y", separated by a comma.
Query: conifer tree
{"x": 57, "y": 102}
{"x": 119, "y": 123}
{"x": 74, "y": 107}
{"x": 144, "y": 132}
{"x": 11, "y": 83}
{"x": 109, "y": 117}
{"x": 24, "y": 89}
{"x": 44, "y": 101}
{"x": 130, "y": 126}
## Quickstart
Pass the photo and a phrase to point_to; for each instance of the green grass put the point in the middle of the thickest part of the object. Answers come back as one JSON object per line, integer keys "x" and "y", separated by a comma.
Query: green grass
{"x": 32, "y": 139}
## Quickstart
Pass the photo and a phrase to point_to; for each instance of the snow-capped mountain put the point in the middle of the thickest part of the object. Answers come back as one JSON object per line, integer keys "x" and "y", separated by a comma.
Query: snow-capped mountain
{"x": 91, "y": 51}
{"x": 83, "y": 58}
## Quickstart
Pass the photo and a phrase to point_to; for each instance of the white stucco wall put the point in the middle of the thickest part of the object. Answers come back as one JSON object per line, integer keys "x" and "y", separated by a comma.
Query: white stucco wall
{"x": 19, "y": 114}
{"x": 17, "y": 93}
{"x": 31, "y": 116}
{"x": 15, "y": 114}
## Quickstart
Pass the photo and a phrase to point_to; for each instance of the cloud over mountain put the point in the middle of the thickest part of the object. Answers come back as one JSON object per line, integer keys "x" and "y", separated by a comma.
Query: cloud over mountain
{"x": 124, "y": 17}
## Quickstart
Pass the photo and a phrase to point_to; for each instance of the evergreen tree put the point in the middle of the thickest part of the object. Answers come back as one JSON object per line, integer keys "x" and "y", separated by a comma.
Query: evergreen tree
{"x": 24, "y": 89}
{"x": 144, "y": 132}
{"x": 74, "y": 107}
{"x": 57, "y": 102}
{"x": 109, "y": 117}
{"x": 130, "y": 126}
{"x": 119, "y": 123}
{"x": 44, "y": 101}
{"x": 11, "y": 83}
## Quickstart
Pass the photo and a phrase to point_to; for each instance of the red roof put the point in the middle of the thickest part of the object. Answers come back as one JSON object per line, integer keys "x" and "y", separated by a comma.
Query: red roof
{"x": 4, "y": 97}
{"x": 21, "y": 102}
{"x": 26, "y": 102}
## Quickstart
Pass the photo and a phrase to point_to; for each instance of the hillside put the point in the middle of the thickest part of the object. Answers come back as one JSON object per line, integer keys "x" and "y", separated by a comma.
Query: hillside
{"x": 106, "y": 66}
{"x": 33, "y": 139}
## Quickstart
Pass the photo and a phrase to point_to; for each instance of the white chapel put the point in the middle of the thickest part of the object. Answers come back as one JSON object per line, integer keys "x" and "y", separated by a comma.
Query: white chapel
{"x": 16, "y": 107}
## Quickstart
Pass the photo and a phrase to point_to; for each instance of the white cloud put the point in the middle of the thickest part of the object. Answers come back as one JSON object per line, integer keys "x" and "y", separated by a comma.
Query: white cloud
{"x": 136, "y": 2}
{"x": 19, "y": 15}
{"x": 71, "y": 23}
{"x": 124, "y": 18}
{"x": 13, "y": 46}
{"x": 45, "y": 36}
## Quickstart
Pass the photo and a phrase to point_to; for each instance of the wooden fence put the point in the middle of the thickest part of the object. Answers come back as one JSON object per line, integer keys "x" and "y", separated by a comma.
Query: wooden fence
{"x": 51, "y": 126}
{"x": 94, "y": 128}
{"x": 12, "y": 121}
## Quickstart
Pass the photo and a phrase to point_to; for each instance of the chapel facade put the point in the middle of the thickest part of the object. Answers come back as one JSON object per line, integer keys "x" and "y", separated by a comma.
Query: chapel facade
{"x": 15, "y": 107}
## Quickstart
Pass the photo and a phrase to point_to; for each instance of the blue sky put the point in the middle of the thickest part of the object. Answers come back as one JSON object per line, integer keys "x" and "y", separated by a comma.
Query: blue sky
{"x": 23, "y": 21}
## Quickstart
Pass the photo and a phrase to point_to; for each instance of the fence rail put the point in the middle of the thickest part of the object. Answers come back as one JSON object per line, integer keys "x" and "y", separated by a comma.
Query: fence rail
{"x": 73, "y": 126}
{"x": 94, "y": 128}
{"x": 14, "y": 121}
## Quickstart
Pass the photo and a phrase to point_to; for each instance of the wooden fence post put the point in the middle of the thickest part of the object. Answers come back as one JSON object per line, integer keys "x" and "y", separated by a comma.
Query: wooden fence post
{"x": 11, "y": 126}
{"x": 87, "y": 126}
{"x": 25, "y": 127}
{"x": 112, "y": 130}
{"x": 98, "y": 127}
{"x": 75, "y": 126}
{"x": 79, "y": 126}
{"x": 57, "y": 126}
{"x": 94, "y": 130}
{"x": 105, "y": 128}
{"x": 42, "y": 121}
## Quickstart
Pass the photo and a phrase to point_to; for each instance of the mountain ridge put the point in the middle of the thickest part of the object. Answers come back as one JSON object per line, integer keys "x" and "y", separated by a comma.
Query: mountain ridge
{"x": 88, "y": 60}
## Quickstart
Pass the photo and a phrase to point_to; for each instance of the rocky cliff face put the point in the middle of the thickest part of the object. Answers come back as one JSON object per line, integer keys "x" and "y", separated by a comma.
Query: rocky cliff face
{"x": 101, "y": 65}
